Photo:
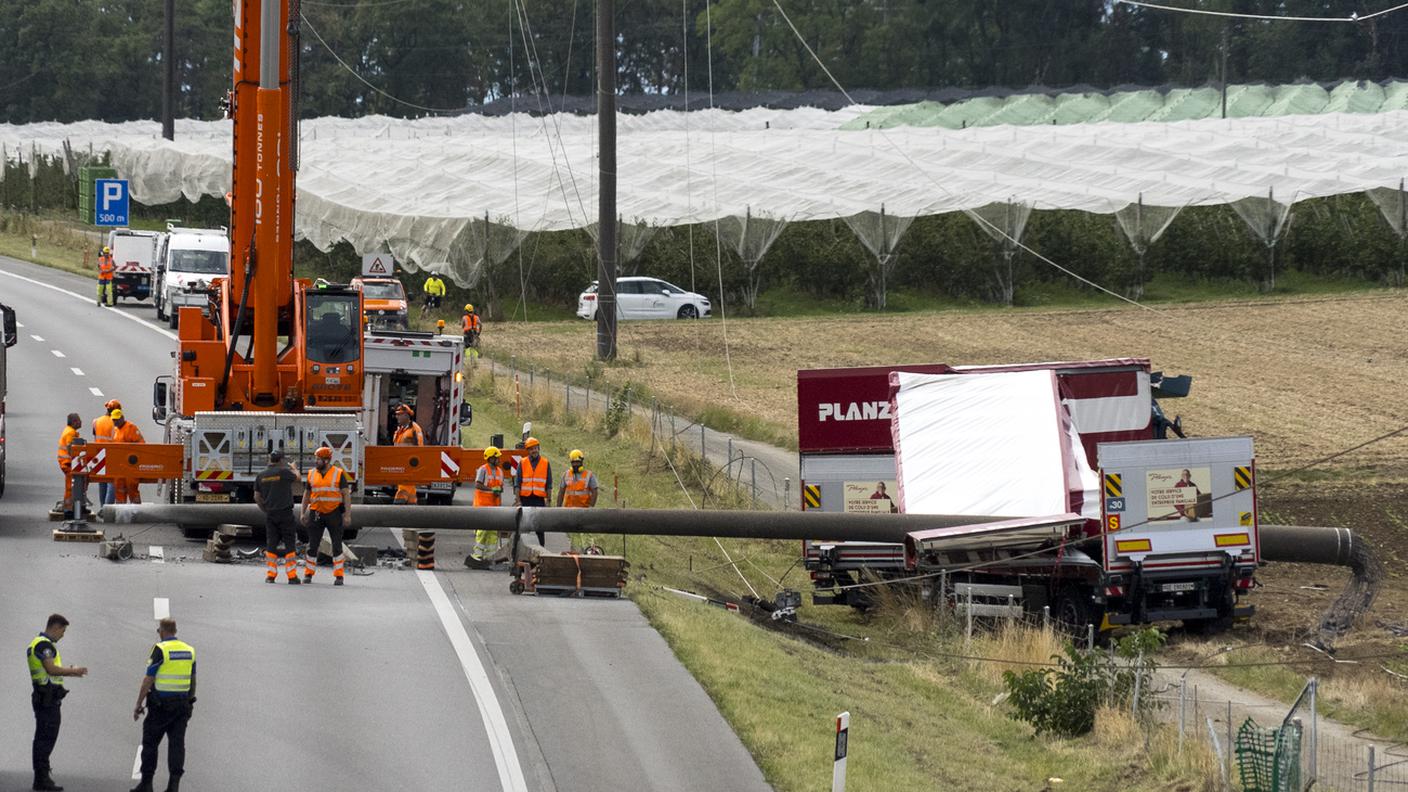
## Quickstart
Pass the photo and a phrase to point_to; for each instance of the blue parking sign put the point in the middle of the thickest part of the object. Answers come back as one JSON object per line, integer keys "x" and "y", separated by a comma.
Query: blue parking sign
{"x": 110, "y": 202}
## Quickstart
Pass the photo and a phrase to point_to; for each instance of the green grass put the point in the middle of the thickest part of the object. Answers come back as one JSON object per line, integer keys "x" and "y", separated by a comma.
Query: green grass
{"x": 1360, "y": 696}
{"x": 916, "y": 721}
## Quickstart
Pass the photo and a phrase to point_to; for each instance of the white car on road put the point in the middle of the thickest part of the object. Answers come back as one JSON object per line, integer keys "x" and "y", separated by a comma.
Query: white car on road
{"x": 647, "y": 298}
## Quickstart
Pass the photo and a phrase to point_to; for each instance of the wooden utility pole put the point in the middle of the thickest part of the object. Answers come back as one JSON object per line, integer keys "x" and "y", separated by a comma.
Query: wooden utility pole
{"x": 606, "y": 196}
{"x": 168, "y": 81}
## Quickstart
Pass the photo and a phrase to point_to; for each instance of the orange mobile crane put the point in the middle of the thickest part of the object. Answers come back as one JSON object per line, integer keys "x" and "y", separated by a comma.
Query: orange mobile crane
{"x": 274, "y": 362}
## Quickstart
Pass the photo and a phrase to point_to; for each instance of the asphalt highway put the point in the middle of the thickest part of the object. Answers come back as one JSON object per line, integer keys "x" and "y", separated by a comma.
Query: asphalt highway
{"x": 400, "y": 680}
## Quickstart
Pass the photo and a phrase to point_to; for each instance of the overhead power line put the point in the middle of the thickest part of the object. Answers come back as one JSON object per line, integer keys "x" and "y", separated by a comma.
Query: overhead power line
{"x": 1356, "y": 17}
{"x": 364, "y": 80}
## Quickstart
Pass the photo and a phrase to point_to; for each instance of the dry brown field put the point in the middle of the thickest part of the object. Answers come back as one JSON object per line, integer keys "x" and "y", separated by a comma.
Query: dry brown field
{"x": 1305, "y": 376}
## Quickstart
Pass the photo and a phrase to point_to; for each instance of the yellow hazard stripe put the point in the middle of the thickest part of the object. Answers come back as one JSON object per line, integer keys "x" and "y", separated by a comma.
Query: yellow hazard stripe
{"x": 1242, "y": 476}
{"x": 1134, "y": 546}
{"x": 1114, "y": 485}
{"x": 812, "y": 495}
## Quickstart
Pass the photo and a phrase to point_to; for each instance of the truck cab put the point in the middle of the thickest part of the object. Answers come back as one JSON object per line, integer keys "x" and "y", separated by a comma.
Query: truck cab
{"x": 384, "y": 301}
{"x": 188, "y": 259}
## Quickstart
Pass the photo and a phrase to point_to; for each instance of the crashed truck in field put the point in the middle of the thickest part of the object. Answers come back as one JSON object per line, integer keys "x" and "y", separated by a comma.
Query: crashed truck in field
{"x": 224, "y": 451}
{"x": 1105, "y": 523}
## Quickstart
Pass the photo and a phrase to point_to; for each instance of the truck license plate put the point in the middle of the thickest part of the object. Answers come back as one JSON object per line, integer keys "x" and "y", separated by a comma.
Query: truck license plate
{"x": 1178, "y": 587}
{"x": 333, "y": 380}
{"x": 212, "y": 497}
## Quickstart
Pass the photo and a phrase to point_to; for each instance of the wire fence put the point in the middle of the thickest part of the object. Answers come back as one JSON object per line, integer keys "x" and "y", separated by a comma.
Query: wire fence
{"x": 747, "y": 478}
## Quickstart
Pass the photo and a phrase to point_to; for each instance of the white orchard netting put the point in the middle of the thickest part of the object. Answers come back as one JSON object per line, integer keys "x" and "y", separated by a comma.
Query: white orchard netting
{"x": 418, "y": 185}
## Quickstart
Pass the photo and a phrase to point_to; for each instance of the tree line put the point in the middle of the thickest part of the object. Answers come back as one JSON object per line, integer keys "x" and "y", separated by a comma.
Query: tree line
{"x": 79, "y": 59}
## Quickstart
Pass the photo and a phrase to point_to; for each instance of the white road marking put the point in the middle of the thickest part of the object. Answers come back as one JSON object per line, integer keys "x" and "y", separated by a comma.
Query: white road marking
{"x": 157, "y": 555}
{"x": 77, "y": 372}
{"x": 137, "y": 765}
{"x": 57, "y": 353}
{"x": 77, "y": 296}
{"x": 161, "y": 606}
{"x": 96, "y": 392}
{"x": 37, "y": 338}
{"x": 20, "y": 325}
{"x": 495, "y": 725}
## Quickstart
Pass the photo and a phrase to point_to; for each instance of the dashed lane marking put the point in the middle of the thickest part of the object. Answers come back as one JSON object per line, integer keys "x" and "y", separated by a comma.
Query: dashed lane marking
{"x": 37, "y": 338}
{"x": 88, "y": 301}
{"x": 57, "y": 353}
{"x": 161, "y": 606}
{"x": 77, "y": 372}
{"x": 96, "y": 392}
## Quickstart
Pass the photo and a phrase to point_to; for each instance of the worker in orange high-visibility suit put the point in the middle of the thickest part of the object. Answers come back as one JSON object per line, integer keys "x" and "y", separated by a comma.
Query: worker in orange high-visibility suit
{"x": 66, "y": 447}
{"x": 103, "y": 432}
{"x": 408, "y": 433}
{"x": 488, "y": 491}
{"x": 534, "y": 480}
{"x": 106, "y": 270}
{"x": 327, "y": 506}
{"x": 124, "y": 431}
{"x": 579, "y": 486}
{"x": 471, "y": 329}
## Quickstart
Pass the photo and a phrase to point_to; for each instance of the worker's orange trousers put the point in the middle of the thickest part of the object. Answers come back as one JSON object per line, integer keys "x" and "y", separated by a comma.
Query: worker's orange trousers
{"x": 406, "y": 494}
{"x": 126, "y": 491}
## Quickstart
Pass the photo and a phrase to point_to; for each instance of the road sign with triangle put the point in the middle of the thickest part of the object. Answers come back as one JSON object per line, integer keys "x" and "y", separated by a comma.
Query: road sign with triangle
{"x": 378, "y": 265}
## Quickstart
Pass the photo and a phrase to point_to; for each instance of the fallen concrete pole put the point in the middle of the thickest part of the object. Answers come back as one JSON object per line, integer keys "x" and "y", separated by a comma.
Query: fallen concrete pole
{"x": 1304, "y": 544}
{"x": 653, "y": 522}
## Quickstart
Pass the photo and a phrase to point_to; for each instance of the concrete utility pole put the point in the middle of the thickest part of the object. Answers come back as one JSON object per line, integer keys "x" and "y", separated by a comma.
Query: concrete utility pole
{"x": 1223, "y": 69}
{"x": 168, "y": 82}
{"x": 606, "y": 196}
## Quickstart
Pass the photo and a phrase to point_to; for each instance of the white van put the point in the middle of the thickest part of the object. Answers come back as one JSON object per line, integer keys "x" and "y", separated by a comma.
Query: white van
{"x": 187, "y": 260}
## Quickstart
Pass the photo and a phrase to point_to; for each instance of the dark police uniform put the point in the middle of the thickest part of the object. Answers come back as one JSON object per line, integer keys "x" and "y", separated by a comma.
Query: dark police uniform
{"x": 48, "y": 693}
{"x": 169, "y": 705}
{"x": 275, "y": 486}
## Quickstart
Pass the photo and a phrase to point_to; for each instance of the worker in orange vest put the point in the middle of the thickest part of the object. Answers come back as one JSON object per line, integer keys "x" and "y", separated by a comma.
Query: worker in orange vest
{"x": 471, "y": 328}
{"x": 488, "y": 491}
{"x": 124, "y": 431}
{"x": 103, "y": 432}
{"x": 579, "y": 487}
{"x": 534, "y": 480}
{"x": 327, "y": 506}
{"x": 66, "y": 448}
{"x": 408, "y": 433}
{"x": 106, "y": 269}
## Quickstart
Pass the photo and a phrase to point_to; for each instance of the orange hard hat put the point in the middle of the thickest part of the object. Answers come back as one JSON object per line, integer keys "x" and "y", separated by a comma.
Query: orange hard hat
{"x": 323, "y": 453}
{"x": 531, "y": 442}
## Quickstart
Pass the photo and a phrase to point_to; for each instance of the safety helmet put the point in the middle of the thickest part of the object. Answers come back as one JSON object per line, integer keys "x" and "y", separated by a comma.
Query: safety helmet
{"x": 116, "y": 415}
{"x": 323, "y": 452}
{"x": 107, "y": 249}
{"x": 531, "y": 442}
{"x": 469, "y": 308}
{"x": 491, "y": 452}
{"x": 112, "y": 404}
{"x": 575, "y": 455}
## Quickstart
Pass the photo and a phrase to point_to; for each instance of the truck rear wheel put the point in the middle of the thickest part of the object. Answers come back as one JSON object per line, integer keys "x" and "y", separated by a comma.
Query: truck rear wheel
{"x": 1073, "y": 610}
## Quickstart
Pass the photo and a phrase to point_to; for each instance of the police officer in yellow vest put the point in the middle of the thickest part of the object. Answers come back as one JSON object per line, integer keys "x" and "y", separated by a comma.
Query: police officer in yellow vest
{"x": 167, "y": 696}
{"x": 46, "y": 674}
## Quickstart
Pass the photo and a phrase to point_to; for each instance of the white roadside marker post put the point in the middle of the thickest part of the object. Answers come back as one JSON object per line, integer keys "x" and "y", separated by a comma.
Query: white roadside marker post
{"x": 838, "y": 771}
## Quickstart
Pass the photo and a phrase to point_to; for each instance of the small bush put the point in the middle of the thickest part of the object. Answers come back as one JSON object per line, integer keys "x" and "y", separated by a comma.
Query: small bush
{"x": 618, "y": 413}
{"x": 1063, "y": 700}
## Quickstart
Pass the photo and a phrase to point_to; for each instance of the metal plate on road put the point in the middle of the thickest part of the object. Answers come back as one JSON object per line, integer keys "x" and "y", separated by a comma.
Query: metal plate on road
{"x": 1178, "y": 586}
{"x": 212, "y": 497}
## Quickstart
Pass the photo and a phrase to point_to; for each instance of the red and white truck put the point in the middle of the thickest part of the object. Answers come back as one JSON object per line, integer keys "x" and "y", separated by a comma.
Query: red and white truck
{"x": 1025, "y": 442}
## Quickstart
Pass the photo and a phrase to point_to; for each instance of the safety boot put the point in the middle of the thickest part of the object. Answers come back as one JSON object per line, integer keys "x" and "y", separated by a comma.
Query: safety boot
{"x": 173, "y": 784}
{"x": 43, "y": 783}
{"x": 337, "y": 581}
{"x": 145, "y": 785}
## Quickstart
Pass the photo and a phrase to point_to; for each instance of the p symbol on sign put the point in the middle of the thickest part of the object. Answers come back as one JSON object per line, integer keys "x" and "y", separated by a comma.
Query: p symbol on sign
{"x": 112, "y": 194}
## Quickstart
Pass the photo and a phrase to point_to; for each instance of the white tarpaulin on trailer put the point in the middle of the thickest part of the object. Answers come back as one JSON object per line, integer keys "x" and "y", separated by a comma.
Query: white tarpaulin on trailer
{"x": 999, "y": 444}
{"x": 423, "y": 181}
